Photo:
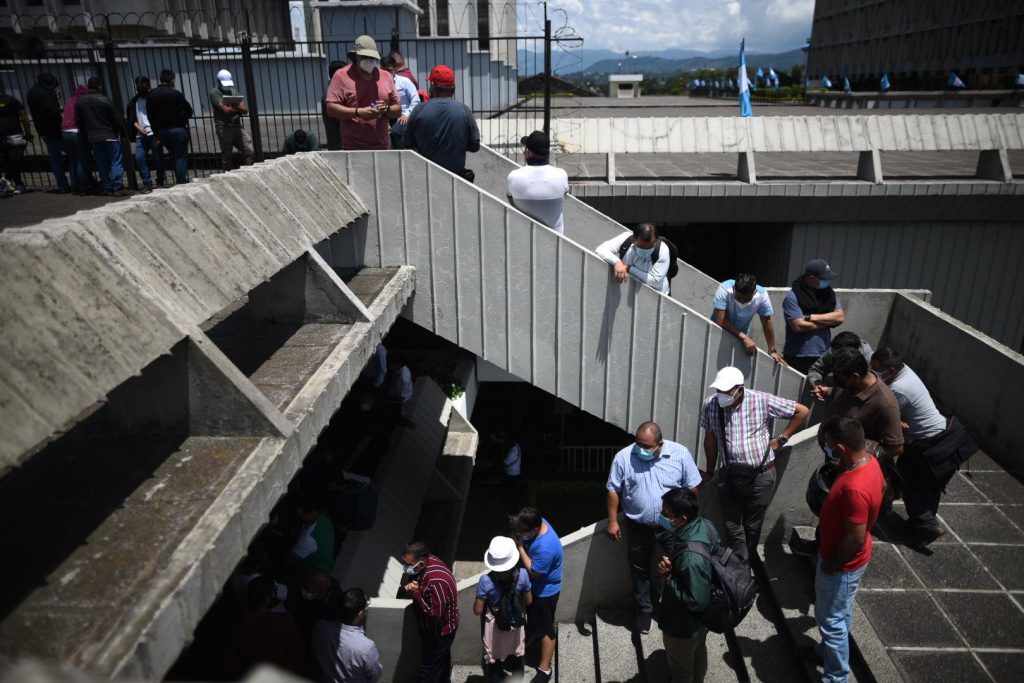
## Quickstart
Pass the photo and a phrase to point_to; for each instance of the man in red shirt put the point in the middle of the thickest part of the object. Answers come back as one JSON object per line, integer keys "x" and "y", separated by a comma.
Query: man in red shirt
{"x": 363, "y": 96}
{"x": 432, "y": 587}
{"x": 847, "y": 516}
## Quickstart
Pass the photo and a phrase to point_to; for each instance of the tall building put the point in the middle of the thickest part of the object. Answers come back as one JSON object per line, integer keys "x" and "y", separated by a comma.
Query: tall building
{"x": 918, "y": 42}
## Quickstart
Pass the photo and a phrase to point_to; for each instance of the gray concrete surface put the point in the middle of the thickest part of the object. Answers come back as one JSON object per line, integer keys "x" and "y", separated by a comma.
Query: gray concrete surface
{"x": 616, "y": 637}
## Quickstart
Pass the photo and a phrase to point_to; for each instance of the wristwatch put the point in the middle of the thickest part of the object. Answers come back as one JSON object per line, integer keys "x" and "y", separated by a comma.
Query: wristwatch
{"x": 808, "y": 317}
{"x": 782, "y": 439}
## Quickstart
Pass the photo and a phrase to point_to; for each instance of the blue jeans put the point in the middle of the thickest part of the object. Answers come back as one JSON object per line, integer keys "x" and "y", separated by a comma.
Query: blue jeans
{"x": 54, "y": 146}
{"x": 144, "y": 144}
{"x": 79, "y": 181}
{"x": 110, "y": 163}
{"x": 176, "y": 141}
{"x": 833, "y": 610}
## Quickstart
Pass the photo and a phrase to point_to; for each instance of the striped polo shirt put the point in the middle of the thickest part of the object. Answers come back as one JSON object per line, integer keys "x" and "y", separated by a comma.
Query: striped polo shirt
{"x": 438, "y": 600}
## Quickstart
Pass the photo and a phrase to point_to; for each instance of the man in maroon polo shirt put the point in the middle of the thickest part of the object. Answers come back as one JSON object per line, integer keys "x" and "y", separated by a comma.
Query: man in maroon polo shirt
{"x": 432, "y": 588}
{"x": 363, "y": 96}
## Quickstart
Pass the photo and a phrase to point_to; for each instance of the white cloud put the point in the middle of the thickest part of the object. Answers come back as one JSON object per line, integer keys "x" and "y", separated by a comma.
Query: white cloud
{"x": 707, "y": 25}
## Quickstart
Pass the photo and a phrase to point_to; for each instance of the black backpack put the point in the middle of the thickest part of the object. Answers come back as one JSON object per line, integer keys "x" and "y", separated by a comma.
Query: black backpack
{"x": 511, "y": 612}
{"x": 673, "y": 253}
{"x": 733, "y": 589}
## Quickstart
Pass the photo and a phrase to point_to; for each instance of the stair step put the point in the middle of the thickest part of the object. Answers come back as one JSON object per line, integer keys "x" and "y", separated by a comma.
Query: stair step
{"x": 616, "y": 651}
{"x": 721, "y": 663}
{"x": 574, "y": 657}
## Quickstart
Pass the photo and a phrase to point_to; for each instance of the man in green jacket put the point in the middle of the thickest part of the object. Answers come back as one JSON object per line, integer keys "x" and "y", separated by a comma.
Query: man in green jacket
{"x": 687, "y": 591}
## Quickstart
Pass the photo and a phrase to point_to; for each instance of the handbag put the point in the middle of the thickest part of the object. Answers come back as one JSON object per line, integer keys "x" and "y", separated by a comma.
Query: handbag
{"x": 739, "y": 477}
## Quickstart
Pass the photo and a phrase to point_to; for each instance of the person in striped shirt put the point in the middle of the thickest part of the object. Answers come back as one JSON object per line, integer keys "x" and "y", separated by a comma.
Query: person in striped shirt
{"x": 738, "y": 424}
{"x": 432, "y": 588}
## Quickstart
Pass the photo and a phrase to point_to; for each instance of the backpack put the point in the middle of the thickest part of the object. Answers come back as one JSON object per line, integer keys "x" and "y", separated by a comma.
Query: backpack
{"x": 511, "y": 612}
{"x": 673, "y": 253}
{"x": 733, "y": 589}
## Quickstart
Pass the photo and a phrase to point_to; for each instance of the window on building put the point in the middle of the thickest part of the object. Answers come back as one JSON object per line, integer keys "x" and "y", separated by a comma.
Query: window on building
{"x": 425, "y": 17}
{"x": 442, "y": 18}
{"x": 483, "y": 23}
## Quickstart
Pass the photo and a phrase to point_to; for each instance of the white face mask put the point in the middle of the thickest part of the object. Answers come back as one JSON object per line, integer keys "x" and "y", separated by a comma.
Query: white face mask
{"x": 368, "y": 65}
{"x": 725, "y": 400}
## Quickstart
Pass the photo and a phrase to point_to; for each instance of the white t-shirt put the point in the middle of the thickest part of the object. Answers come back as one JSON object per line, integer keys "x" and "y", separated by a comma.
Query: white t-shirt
{"x": 142, "y": 116}
{"x": 538, "y": 191}
{"x": 513, "y": 461}
{"x": 638, "y": 261}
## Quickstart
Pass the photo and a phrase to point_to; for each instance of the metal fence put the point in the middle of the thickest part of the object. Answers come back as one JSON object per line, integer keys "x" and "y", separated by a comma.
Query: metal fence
{"x": 284, "y": 85}
{"x": 586, "y": 459}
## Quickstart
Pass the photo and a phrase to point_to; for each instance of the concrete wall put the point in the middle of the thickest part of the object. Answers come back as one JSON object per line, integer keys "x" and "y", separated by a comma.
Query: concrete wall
{"x": 969, "y": 266}
{"x": 538, "y": 304}
{"x": 968, "y": 374}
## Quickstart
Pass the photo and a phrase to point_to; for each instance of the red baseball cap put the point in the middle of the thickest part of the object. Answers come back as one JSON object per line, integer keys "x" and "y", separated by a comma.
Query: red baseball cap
{"x": 442, "y": 75}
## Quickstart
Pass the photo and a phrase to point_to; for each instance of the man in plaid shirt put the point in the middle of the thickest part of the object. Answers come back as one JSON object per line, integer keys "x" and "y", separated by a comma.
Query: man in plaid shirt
{"x": 737, "y": 423}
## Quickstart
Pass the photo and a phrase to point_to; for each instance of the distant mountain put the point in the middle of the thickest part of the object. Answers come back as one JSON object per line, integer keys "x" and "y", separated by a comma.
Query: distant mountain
{"x": 650, "y": 63}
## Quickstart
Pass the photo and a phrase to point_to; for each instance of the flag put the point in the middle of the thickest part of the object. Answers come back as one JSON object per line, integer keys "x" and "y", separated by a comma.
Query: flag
{"x": 846, "y": 85}
{"x": 760, "y": 73}
{"x": 955, "y": 82}
{"x": 1019, "y": 81}
{"x": 773, "y": 78}
{"x": 885, "y": 82}
{"x": 826, "y": 82}
{"x": 744, "y": 82}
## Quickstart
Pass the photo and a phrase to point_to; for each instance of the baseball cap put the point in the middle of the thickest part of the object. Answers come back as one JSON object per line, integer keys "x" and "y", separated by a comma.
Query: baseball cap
{"x": 537, "y": 142}
{"x": 502, "y": 555}
{"x": 366, "y": 47}
{"x": 820, "y": 268}
{"x": 727, "y": 378}
{"x": 225, "y": 79}
{"x": 442, "y": 75}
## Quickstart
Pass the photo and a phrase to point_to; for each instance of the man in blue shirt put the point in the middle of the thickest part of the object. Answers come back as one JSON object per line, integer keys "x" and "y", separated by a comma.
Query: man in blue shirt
{"x": 735, "y": 305}
{"x": 540, "y": 551}
{"x": 812, "y": 310}
{"x": 640, "y": 475}
{"x": 443, "y": 129}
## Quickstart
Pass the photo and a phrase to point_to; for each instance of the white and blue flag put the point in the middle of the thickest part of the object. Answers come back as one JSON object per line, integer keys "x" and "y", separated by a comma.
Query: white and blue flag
{"x": 885, "y": 82}
{"x": 744, "y": 82}
{"x": 773, "y": 78}
{"x": 846, "y": 85}
{"x": 955, "y": 82}
{"x": 760, "y": 74}
{"x": 825, "y": 81}
{"x": 1019, "y": 81}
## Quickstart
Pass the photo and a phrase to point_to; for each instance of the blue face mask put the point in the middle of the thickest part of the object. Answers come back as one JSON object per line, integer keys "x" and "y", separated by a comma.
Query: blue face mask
{"x": 823, "y": 284}
{"x": 644, "y": 453}
{"x": 829, "y": 455}
{"x": 665, "y": 523}
{"x": 643, "y": 253}
{"x": 410, "y": 569}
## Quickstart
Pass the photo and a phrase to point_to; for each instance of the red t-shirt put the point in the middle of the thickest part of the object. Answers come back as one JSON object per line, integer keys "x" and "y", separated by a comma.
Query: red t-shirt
{"x": 352, "y": 90}
{"x": 855, "y": 496}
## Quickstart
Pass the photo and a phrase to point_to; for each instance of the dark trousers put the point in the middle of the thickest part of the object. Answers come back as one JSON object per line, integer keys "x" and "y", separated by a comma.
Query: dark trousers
{"x": 496, "y": 671}
{"x": 744, "y": 514}
{"x": 641, "y": 541}
{"x": 921, "y": 490}
{"x": 800, "y": 363}
{"x": 110, "y": 163}
{"x": 10, "y": 162}
{"x": 144, "y": 144}
{"x": 73, "y": 151}
{"x": 55, "y": 148}
{"x": 437, "y": 659}
{"x": 176, "y": 141}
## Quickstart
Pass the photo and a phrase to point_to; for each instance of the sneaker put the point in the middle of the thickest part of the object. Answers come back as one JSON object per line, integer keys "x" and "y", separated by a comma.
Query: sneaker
{"x": 928, "y": 535}
{"x": 643, "y": 623}
{"x": 146, "y": 190}
{"x": 541, "y": 677}
{"x": 803, "y": 547}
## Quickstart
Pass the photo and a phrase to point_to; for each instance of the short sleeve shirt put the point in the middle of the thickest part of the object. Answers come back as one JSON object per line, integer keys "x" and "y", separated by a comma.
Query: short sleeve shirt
{"x": 349, "y": 89}
{"x": 486, "y": 589}
{"x": 641, "y": 483}
{"x": 740, "y": 315}
{"x": 539, "y": 191}
{"x": 748, "y": 434}
{"x": 804, "y": 344}
{"x": 545, "y": 553}
{"x": 876, "y": 408}
{"x": 916, "y": 406}
{"x": 220, "y": 119}
{"x": 856, "y": 496}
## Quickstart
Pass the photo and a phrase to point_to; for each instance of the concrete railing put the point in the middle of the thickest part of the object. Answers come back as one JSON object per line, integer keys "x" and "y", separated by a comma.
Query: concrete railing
{"x": 991, "y": 135}
{"x": 911, "y": 99}
{"x": 537, "y": 304}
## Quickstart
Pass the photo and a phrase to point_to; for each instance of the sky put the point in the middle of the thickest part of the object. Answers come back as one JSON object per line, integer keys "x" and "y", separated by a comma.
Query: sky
{"x": 707, "y": 25}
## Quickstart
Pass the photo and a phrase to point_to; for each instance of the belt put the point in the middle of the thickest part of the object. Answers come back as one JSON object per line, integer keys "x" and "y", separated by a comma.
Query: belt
{"x": 765, "y": 468}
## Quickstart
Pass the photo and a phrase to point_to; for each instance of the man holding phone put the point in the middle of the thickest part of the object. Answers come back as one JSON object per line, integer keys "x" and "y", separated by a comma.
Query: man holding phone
{"x": 362, "y": 96}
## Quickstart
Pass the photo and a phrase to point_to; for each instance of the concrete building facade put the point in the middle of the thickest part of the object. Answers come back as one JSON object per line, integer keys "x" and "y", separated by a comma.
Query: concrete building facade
{"x": 918, "y": 42}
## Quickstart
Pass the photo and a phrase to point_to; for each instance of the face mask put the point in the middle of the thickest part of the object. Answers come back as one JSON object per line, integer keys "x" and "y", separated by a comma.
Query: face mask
{"x": 665, "y": 523}
{"x": 307, "y": 596}
{"x": 823, "y": 284}
{"x": 829, "y": 454}
{"x": 645, "y": 253}
{"x": 368, "y": 65}
{"x": 411, "y": 570}
{"x": 726, "y": 400}
{"x": 644, "y": 453}
{"x": 526, "y": 538}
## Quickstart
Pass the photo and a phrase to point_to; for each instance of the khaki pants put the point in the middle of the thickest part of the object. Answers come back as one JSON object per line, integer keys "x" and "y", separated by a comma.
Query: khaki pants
{"x": 232, "y": 138}
{"x": 687, "y": 657}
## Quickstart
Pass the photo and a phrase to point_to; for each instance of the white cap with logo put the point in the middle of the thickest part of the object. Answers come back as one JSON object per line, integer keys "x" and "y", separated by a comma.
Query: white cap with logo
{"x": 727, "y": 378}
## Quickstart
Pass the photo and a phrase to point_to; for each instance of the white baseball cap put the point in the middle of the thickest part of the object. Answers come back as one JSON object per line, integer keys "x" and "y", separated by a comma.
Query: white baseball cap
{"x": 224, "y": 76}
{"x": 502, "y": 555}
{"x": 727, "y": 378}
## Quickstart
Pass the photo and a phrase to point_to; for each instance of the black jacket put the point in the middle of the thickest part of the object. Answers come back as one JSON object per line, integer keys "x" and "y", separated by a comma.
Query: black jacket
{"x": 167, "y": 108}
{"x": 97, "y": 118}
{"x": 45, "y": 109}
